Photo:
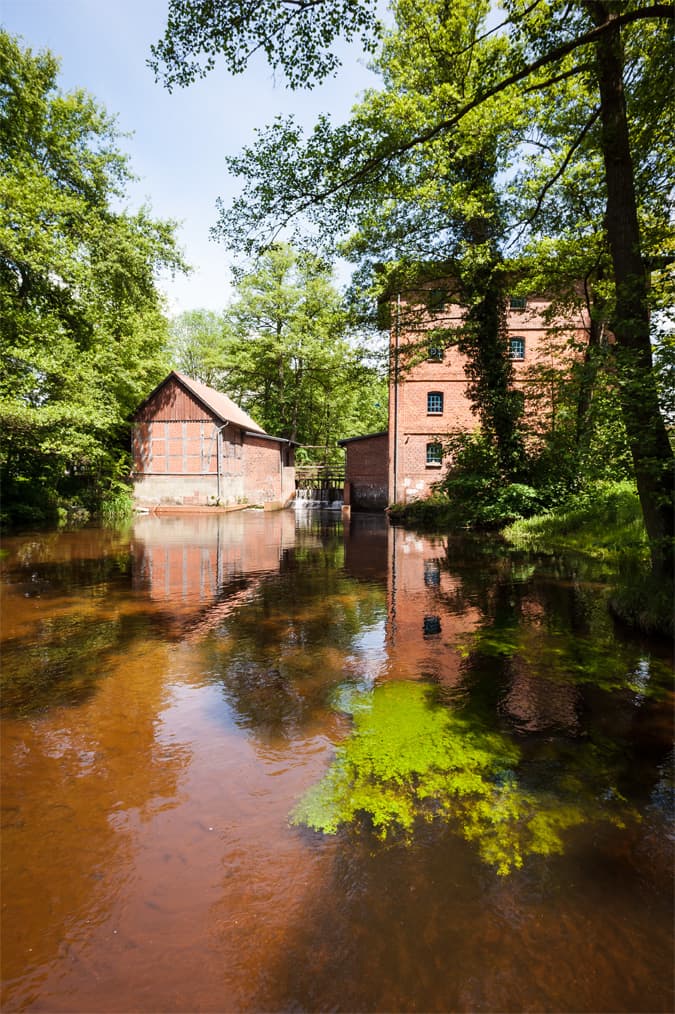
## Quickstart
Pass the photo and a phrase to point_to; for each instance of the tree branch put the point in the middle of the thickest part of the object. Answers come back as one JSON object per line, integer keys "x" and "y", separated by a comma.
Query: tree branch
{"x": 558, "y": 77}
{"x": 561, "y": 169}
{"x": 659, "y": 10}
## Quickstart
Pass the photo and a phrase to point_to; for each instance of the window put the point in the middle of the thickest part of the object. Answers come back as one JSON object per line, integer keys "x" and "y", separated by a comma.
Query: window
{"x": 434, "y": 454}
{"x": 431, "y": 625}
{"x": 432, "y": 573}
{"x": 435, "y": 352}
{"x": 517, "y": 302}
{"x": 517, "y": 348}
{"x": 437, "y": 300}
{"x": 435, "y": 403}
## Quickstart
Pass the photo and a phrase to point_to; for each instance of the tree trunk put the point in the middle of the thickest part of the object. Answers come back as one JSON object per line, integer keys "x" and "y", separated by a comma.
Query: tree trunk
{"x": 589, "y": 369}
{"x": 650, "y": 448}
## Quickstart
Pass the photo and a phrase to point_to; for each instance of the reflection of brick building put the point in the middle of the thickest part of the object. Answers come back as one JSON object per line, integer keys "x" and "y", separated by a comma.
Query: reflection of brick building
{"x": 199, "y": 568}
{"x": 428, "y": 385}
{"x": 426, "y": 620}
{"x": 192, "y": 446}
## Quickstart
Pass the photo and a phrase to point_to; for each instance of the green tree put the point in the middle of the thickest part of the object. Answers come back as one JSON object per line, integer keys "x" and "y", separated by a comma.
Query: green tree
{"x": 328, "y": 176}
{"x": 290, "y": 359}
{"x": 198, "y": 345}
{"x": 81, "y": 322}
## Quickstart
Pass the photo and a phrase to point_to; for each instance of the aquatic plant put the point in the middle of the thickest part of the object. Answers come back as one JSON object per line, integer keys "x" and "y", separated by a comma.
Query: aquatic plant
{"x": 410, "y": 758}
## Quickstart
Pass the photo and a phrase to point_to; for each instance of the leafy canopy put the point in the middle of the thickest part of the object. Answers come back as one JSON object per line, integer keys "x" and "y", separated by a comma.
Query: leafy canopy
{"x": 81, "y": 319}
{"x": 287, "y": 351}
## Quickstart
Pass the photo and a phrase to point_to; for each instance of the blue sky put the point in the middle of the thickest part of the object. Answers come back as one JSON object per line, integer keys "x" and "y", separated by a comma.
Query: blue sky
{"x": 178, "y": 141}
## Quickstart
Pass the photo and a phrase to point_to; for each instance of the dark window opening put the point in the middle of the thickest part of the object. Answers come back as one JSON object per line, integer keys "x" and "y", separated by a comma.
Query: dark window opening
{"x": 432, "y": 625}
{"x": 437, "y": 300}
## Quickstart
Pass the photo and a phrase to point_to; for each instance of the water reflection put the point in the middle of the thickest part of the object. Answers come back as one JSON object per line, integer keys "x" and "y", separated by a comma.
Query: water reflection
{"x": 173, "y": 692}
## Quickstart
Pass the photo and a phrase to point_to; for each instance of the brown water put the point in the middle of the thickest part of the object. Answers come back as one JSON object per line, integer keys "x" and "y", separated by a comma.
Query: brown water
{"x": 170, "y": 693}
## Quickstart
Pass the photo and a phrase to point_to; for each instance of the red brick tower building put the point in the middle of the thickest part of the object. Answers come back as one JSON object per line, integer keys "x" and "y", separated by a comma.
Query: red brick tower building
{"x": 428, "y": 382}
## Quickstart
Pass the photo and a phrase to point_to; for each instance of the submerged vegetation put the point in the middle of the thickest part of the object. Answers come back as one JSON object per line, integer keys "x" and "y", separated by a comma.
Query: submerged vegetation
{"x": 412, "y": 759}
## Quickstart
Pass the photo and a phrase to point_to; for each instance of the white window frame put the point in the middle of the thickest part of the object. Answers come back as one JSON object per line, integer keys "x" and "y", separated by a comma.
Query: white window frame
{"x": 520, "y": 355}
{"x": 435, "y": 395}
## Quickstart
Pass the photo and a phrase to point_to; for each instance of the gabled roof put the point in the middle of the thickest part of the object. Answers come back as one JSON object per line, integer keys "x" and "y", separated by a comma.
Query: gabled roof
{"x": 214, "y": 401}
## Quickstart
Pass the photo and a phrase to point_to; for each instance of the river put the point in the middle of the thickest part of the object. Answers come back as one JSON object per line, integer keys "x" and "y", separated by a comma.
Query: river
{"x": 260, "y": 762}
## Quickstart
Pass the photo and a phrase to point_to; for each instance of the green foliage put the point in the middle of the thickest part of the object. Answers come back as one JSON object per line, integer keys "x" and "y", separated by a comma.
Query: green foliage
{"x": 295, "y": 38}
{"x": 81, "y": 323}
{"x": 285, "y": 350}
{"x": 198, "y": 346}
{"x": 604, "y": 523}
{"x": 409, "y": 758}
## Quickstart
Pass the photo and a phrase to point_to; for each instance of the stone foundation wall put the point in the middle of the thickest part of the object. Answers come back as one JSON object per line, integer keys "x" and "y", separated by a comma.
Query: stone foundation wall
{"x": 186, "y": 490}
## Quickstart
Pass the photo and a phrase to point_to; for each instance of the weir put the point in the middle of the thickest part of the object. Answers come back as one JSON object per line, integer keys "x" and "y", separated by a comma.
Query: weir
{"x": 319, "y": 486}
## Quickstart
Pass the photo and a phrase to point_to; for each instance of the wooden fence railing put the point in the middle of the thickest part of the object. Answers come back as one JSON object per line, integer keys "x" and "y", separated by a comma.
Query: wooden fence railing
{"x": 319, "y": 476}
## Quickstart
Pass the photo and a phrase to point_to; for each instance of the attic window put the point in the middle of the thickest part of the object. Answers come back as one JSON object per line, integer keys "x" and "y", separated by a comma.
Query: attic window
{"x": 435, "y": 352}
{"x": 517, "y": 302}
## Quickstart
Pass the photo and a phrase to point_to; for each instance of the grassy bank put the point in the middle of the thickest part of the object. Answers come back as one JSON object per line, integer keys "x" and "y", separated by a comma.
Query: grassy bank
{"x": 605, "y": 525}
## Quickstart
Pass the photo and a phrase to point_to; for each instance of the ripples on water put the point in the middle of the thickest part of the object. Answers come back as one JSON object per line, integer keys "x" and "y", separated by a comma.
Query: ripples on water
{"x": 173, "y": 693}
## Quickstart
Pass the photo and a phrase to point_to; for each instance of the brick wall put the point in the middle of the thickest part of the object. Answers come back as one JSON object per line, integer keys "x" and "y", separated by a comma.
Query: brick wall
{"x": 263, "y": 465}
{"x": 176, "y": 462}
{"x": 366, "y": 471}
{"x": 412, "y": 426}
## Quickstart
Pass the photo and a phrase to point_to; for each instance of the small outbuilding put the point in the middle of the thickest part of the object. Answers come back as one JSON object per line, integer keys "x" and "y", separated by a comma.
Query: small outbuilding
{"x": 366, "y": 471}
{"x": 193, "y": 447}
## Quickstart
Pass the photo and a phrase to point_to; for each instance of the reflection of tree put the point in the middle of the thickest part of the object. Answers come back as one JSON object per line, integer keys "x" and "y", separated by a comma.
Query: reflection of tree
{"x": 280, "y": 656}
{"x": 546, "y": 645}
{"x": 58, "y": 650}
{"x": 410, "y": 758}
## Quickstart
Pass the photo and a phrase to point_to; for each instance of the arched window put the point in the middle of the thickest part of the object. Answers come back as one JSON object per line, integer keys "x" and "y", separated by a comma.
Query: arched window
{"x": 435, "y": 403}
{"x": 434, "y": 454}
{"x": 517, "y": 348}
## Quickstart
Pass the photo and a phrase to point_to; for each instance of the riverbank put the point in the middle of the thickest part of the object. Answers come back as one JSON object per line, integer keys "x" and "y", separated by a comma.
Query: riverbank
{"x": 602, "y": 526}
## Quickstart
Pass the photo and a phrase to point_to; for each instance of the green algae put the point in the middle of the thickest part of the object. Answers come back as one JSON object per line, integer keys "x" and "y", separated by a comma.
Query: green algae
{"x": 411, "y": 759}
